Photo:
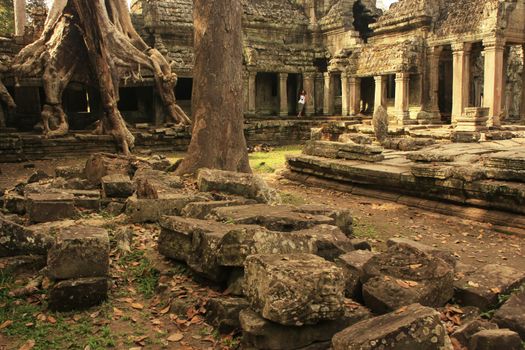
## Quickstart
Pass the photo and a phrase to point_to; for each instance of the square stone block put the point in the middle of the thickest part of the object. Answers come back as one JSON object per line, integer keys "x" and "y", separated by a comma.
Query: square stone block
{"x": 117, "y": 186}
{"x": 79, "y": 251}
{"x": 46, "y": 207}
{"x": 77, "y": 294}
{"x": 295, "y": 289}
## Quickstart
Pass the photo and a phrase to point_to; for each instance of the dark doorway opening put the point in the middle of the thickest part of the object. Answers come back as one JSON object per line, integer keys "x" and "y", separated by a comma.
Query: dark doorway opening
{"x": 367, "y": 95}
{"x": 445, "y": 84}
{"x": 183, "y": 92}
{"x": 267, "y": 94}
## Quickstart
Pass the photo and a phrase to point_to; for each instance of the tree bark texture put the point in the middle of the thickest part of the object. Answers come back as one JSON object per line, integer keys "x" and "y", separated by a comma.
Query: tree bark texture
{"x": 218, "y": 140}
{"x": 99, "y": 33}
{"x": 5, "y": 98}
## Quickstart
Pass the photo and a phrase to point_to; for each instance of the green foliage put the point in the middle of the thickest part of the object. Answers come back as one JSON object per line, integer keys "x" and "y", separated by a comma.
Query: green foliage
{"x": 364, "y": 230}
{"x": 141, "y": 271}
{"x": 269, "y": 162}
{"x": 29, "y": 322}
{"x": 292, "y": 199}
{"x": 7, "y": 18}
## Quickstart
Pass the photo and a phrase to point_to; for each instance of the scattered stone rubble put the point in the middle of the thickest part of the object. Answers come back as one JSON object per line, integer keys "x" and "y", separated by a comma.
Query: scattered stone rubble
{"x": 294, "y": 276}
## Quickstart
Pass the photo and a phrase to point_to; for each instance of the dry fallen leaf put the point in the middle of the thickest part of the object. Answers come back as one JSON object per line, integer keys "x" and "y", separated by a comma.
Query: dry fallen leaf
{"x": 473, "y": 284}
{"x": 137, "y": 306}
{"x": 28, "y": 345}
{"x": 51, "y": 319}
{"x": 495, "y": 290}
{"x": 403, "y": 284}
{"x": 165, "y": 310}
{"x": 175, "y": 337}
{"x": 118, "y": 312}
{"x": 6, "y": 324}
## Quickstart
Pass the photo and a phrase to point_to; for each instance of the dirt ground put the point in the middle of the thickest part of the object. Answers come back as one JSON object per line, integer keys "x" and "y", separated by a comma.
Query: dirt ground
{"x": 141, "y": 315}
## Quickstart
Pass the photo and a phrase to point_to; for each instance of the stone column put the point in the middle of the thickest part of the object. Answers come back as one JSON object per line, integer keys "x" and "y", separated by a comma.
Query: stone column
{"x": 252, "y": 92}
{"x": 434, "y": 55}
{"x": 523, "y": 90}
{"x": 493, "y": 82}
{"x": 402, "y": 97}
{"x": 20, "y": 17}
{"x": 354, "y": 85}
{"x": 344, "y": 94}
{"x": 380, "y": 92}
{"x": 460, "y": 79}
{"x": 283, "y": 94}
{"x": 245, "y": 92}
{"x": 328, "y": 100}
{"x": 308, "y": 83}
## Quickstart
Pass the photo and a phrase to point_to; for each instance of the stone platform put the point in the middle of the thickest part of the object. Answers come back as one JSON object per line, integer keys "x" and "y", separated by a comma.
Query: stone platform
{"x": 17, "y": 146}
{"x": 488, "y": 175}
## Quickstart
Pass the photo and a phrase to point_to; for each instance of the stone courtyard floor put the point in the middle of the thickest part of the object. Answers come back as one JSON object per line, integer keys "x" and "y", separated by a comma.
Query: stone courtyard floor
{"x": 134, "y": 318}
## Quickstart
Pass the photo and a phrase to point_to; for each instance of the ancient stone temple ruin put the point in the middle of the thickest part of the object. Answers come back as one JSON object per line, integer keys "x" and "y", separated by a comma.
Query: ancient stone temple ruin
{"x": 424, "y": 61}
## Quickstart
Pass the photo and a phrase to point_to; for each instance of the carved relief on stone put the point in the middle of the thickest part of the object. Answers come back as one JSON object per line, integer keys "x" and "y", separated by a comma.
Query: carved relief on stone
{"x": 514, "y": 85}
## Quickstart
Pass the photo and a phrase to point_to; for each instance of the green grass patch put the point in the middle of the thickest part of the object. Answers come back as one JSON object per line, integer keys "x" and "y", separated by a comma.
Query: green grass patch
{"x": 29, "y": 324}
{"x": 364, "y": 230}
{"x": 292, "y": 199}
{"x": 269, "y": 162}
{"x": 141, "y": 272}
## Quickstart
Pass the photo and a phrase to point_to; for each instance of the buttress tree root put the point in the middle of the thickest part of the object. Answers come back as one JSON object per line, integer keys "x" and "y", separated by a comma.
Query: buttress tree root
{"x": 94, "y": 42}
{"x": 5, "y": 98}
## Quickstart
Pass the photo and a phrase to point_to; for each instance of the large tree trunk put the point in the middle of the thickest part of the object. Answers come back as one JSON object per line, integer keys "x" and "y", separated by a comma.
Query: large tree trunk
{"x": 101, "y": 33}
{"x": 218, "y": 138}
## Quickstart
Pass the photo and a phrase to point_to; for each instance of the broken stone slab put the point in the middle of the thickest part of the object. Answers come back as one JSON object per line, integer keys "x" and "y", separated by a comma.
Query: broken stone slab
{"x": 151, "y": 210}
{"x": 495, "y": 339}
{"x": 446, "y": 255}
{"x": 200, "y": 210}
{"x": 275, "y": 218}
{"x": 45, "y": 207}
{"x": 342, "y": 217}
{"x": 153, "y": 184}
{"x": 37, "y": 176}
{"x": 17, "y": 240}
{"x": 294, "y": 289}
{"x": 361, "y": 244}
{"x": 223, "y": 313}
{"x": 481, "y": 286}
{"x": 99, "y": 165}
{"x": 195, "y": 242}
{"x": 14, "y": 203}
{"x": 259, "y": 333}
{"x": 246, "y": 185}
{"x": 339, "y": 150}
{"x": 512, "y": 314}
{"x": 329, "y": 241}
{"x": 77, "y": 294}
{"x": 402, "y": 276}
{"x": 430, "y": 157}
{"x": 432, "y": 171}
{"x": 69, "y": 172}
{"x": 412, "y": 327}
{"x": 117, "y": 186}
{"x": 464, "y": 333}
{"x": 355, "y": 138}
{"x": 507, "y": 160}
{"x": 79, "y": 252}
{"x": 21, "y": 264}
{"x": 352, "y": 264}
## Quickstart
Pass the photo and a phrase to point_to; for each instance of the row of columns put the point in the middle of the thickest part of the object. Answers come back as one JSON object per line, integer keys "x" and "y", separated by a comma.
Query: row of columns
{"x": 493, "y": 88}
{"x": 308, "y": 86}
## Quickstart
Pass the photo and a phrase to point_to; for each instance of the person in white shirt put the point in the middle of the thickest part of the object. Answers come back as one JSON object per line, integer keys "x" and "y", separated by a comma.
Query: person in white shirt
{"x": 302, "y": 103}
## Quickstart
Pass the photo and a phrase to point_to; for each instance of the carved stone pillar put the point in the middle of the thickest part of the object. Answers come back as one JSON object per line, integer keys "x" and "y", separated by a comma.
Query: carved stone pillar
{"x": 308, "y": 83}
{"x": 523, "y": 90}
{"x": 402, "y": 97}
{"x": 461, "y": 79}
{"x": 252, "y": 93}
{"x": 283, "y": 94}
{"x": 245, "y": 91}
{"x": 380, "y": 91}
{"x": 493, "y": 82}
{"x": 354, "y": 85}
{"x": 344, "y": 94}
{"x": 434, "y": 55}
{"x": 328, "y": 100}
{"x": 20, "y": 17}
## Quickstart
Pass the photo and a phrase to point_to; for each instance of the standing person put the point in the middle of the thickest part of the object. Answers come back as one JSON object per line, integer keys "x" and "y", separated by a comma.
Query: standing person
{"x": 302, "y": 103}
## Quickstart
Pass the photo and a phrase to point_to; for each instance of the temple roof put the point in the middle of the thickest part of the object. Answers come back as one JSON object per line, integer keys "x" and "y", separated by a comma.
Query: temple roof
{"x": 387, "y": 58}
